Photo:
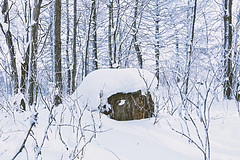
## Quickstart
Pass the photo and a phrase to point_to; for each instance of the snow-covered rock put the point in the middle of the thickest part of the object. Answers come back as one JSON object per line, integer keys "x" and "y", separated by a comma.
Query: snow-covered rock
{"x": 101, "y": 84}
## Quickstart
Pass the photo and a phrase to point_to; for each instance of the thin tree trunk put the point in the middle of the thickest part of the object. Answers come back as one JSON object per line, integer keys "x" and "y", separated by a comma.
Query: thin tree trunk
{"x": 157, "y": 43}
{"x": 24, "y": 71}
{"x": 57, "y": 53}
{"x": 95, "y": 34}
{"x": 115, "y": 33}
{"x": 135, "y": 31}
{"x": 67, "y": 51}
{"x": 87, "y": 43}
{"x": 110, "y": 11}
{"x": 190, "y": 46}
{"x": 228, "y": 75}
{"x": 74, "y": 70}
{"x": 177, "y": 59}
{"x": 51, "y": 40}
{"x": 14, "y": 73}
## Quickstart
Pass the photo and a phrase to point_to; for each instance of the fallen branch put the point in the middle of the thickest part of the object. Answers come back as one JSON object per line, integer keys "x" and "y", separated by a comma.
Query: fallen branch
{"x": 25, "y": 140}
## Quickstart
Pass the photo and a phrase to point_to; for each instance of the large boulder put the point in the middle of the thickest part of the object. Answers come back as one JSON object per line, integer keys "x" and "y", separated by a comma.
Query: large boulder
{"x": 112, "y": 89}
{"x": 129, "y": 106}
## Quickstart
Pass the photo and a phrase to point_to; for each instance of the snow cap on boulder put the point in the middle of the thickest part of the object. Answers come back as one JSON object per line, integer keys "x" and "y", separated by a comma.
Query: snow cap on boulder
{"x": 102, "y": 83}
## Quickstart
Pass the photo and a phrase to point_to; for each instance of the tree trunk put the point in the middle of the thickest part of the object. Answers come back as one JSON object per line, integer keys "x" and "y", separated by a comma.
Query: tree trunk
{"x": 192, "y": 15}
{"x": 24, "y": 71}
{"x": 178, "y": 77}
{"x": 115, "y": 33}
{"x": 9, "y": 41}
{"x": 51, "y": 40}
{"x": 32, "y": 91}
{"x": 236, "y": 61}
{"x": 94, "y": 42}
{"x": 57, "y": 53}
{"x": 110, "y": 13}
{"x": 157, "y": 37}
{"x": 87, "y": 43}
{"x": 67, "y": 51}
{"x": 25, "y": 64}
{"x": 74, "y": 70}
{"x": 135, "y": 31}
{"x": 228, "y": 75}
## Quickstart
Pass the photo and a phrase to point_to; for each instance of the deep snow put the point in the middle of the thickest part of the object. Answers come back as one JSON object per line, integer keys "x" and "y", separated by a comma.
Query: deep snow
{"x": 130, "y": 140}
{"x": 110, "y": 139}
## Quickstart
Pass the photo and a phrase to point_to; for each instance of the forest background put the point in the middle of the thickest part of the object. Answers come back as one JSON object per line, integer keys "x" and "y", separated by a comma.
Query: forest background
{"x": 48, "y": 47}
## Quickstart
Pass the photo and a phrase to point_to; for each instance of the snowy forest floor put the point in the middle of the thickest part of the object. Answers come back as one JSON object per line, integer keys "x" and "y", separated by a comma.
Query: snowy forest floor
{"x": 128, "y": 140}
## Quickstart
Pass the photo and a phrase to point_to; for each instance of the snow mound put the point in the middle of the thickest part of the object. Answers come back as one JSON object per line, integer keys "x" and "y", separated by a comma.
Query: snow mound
{"x": 106, "y": 82}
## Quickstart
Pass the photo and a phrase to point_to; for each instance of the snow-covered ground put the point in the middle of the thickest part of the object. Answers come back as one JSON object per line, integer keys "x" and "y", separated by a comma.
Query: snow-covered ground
{"x": 141, "y": 139}
{"x": 77, "y": 131}
{"x": 129, "y": 140}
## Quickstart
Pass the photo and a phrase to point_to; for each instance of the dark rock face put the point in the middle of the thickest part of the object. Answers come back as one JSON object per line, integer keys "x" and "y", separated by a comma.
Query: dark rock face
{"x": 130, "y": 106}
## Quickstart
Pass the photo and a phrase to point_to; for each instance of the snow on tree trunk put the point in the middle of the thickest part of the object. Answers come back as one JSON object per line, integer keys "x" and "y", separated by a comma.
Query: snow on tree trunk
{"x": 9, "y": 41}
{"x": 228, "y": 75}
{"x": 135, "y": 31}
{"x": 157, "y": 38}
{"x": 236, "y": 61}
{"x": 32, "y": 90}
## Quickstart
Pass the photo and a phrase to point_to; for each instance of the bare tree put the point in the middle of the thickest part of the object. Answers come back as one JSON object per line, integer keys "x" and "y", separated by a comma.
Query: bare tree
{"x": 115, "y": 33}
{"x": 57, "y": 53}
{"x": 236, "y": 61}
{"x": 135, "y": 31}
{"x": 25, "y": 64}
{"x": 74, "y": 69}
{"x": 192, "y": 18}
{"x": 9, "y": 42}
{"x": 94, "y": 28}
{"x": 67, "y": 50}
{"x": 86, "y": 62}
{"x": 157, "y": 38}
{"x": 228, "y": 75}
{"x": 110, "y": 20}
{"x": 32, "y": 90}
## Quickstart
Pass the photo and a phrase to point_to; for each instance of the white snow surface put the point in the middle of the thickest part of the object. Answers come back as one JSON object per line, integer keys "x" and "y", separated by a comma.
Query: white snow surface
{"x": 110, "y": 139}
{"x": 125, "y": 140}
{"x": 106, "y": 82}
